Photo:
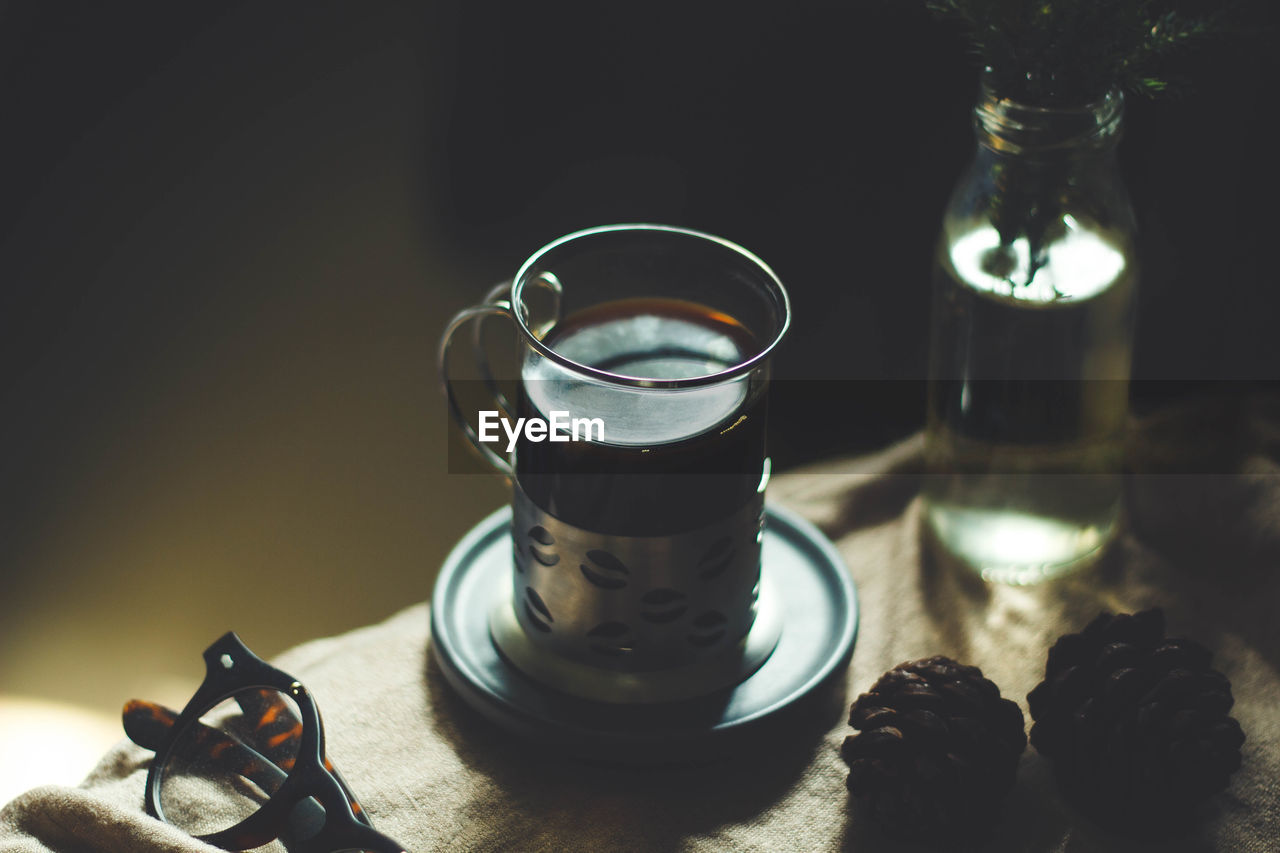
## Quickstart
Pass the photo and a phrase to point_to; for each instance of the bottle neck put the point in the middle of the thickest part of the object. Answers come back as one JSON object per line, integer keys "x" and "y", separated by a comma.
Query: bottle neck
{"x": 1006, "y": 126}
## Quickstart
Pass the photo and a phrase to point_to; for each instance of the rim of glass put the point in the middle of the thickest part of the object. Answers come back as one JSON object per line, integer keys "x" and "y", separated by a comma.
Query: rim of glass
{"x": 779, "y": 293}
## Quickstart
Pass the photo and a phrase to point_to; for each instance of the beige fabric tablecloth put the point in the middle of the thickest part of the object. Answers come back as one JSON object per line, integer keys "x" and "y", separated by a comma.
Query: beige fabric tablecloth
{"x": 1204, "y": 546}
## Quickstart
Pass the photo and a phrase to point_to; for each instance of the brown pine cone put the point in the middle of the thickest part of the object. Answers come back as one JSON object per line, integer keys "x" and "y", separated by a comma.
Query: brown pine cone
{"x": 1136, "y": 724}
{"x": 938, "y": 750}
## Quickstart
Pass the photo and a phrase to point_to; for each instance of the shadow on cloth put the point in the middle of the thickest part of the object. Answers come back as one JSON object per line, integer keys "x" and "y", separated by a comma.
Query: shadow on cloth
{"x": 530, "y": 796}
{"x": 1205, "y": 496}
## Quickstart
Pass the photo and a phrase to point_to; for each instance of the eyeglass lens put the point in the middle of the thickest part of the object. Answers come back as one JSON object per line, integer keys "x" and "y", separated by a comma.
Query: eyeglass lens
{"x": 223, "y": 769}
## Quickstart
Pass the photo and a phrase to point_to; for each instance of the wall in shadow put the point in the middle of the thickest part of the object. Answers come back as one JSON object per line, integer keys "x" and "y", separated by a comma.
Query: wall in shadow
{"x": 230, "y": 236}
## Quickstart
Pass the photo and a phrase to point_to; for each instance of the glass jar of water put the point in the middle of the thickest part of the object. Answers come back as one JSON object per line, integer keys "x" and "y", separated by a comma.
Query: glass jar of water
{"x": 1031, "y": 342}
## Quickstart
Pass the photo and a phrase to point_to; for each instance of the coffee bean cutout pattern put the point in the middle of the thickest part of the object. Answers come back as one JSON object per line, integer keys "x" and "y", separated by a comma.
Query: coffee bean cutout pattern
{"x": 716, "y": 559}
{"x": 541, "y": 536}
{"x": 612, "y": 639}
{"x": 708, "y": 629}
{"x": 605, "y": 570}
{"x": 662, "y": 605}
{"x": 536, "y": 609}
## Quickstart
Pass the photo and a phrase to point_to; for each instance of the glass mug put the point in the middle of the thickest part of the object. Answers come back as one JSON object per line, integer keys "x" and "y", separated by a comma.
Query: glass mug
{"x": 636, "y": 539}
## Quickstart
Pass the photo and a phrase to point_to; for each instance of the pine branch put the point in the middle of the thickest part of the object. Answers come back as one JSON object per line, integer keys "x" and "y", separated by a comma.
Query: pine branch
{"x": 1073, "y": 51}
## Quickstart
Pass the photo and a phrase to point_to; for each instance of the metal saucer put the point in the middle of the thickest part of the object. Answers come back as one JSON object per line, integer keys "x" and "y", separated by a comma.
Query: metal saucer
{"x": 815, "y": 598}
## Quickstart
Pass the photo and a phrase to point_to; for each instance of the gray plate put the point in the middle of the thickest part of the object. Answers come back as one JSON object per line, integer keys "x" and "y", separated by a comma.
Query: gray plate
{"x": 819, "y": 608}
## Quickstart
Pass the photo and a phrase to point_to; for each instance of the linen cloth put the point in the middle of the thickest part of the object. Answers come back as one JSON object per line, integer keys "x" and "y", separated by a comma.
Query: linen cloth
{"x": 1204, "y": 545}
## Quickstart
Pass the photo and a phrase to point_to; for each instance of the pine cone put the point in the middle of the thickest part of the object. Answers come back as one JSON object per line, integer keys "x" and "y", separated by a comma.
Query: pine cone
{"x": 938, "y": 750}
{"x": 1136, "y": 724}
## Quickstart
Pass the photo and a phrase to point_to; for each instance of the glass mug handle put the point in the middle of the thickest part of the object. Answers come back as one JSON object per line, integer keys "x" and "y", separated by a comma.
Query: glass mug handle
{"x": 496, "y": 303}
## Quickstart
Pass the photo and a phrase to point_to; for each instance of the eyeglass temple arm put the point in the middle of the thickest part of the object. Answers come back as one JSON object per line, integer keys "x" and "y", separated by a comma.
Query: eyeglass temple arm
{"x": 147, "y": 722}
{"x": 265, "y": 709}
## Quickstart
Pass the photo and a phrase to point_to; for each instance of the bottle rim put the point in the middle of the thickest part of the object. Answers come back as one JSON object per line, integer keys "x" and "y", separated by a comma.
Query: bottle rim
{"x": 1007, "y": 125}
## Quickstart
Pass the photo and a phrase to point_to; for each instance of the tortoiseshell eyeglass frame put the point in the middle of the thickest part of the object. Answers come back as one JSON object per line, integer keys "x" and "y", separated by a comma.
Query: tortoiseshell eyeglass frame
{"x": 231, "y": 671}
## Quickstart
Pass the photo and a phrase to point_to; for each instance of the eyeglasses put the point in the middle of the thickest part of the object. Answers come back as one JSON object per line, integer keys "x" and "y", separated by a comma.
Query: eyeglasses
{"x": 244, "y": 763}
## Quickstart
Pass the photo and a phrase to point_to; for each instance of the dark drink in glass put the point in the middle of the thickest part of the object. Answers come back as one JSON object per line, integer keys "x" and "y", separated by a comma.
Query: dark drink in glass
{"x": 667, "y": 462}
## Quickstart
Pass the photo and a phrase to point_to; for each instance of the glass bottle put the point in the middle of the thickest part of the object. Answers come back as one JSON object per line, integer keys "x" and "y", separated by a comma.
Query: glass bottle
{"x": 1031, "y": 341}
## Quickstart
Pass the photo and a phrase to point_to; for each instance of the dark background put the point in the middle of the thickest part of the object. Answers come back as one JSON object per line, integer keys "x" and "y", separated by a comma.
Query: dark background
{"x": 230, "y": 234}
